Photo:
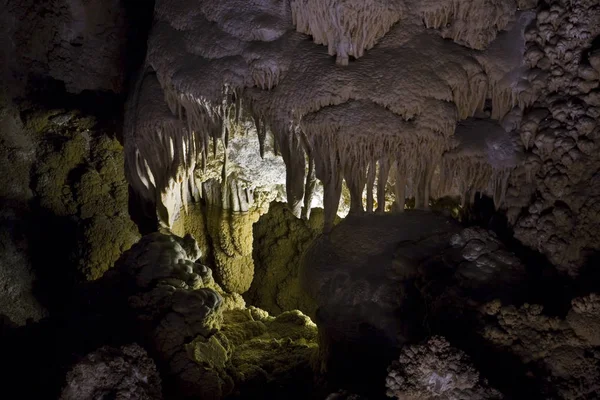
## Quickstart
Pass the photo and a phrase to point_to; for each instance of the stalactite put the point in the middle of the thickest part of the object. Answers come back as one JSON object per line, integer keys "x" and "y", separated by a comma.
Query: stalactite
{"x": 474, "y": 23}
{"x": 261, "y": 131}
{"x": 400, "y": 189}
{"x": 292, "y": 153}
{"x": 329, "y": 173}
{"x": 384, "y": 170}
{"x": 371, "y": 175}
{"x": 500, "y": 182}
{"x": 348, "y": 126}
{"x": 311, "y": 179}
{"x": 348, "y": 28}
{"x": 356, "y": 185}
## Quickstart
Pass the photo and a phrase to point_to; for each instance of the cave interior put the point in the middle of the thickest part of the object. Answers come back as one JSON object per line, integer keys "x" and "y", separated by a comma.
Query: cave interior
{"x": 300, "y": 199}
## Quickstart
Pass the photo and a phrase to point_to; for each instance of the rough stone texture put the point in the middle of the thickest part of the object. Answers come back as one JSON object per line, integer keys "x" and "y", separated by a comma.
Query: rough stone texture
{"x": 17, "y": 300}
{"x": 78, "y": 175}
{"x": 362, "y": 278}
{"x": 211, "y": 344}
{"x": 436, "y": 370}
{"x": 280, "y": 240}
{"x": 17, "y": 150}
{"x": 78, "y": 42}
{"x": 344, "y": 395}
{"x": 125, "y": 373}
{"x": 562, "y": 133}
{"x": 231, "y": 234}
{"x": 254, "y": 349}
{"x": 486, "y": 263}
{"x": 562, "y": 352}
{"x": 382, "y": 281}
{"x": 169, "y": 297}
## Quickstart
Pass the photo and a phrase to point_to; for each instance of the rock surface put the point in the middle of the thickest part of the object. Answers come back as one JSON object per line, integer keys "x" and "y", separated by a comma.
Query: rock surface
{"x": 436, "y": 370}
{"x": 81, "y": 43}
{"x": 119, "y": 373}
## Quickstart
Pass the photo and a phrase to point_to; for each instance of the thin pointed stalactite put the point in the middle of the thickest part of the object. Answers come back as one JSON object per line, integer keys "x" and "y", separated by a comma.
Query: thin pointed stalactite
{"x": 311, "y": 179}
{"x": 371, "y": 174}
{"x": 327, "y": 171}
{"x": 292, "y": 153}
{"x": 400, "y": 189}
{"x": 384, "y": 170}
{"x": 261, "y": 131}
{"x": 356, "y": 186}
{"x": 500, "y": 182}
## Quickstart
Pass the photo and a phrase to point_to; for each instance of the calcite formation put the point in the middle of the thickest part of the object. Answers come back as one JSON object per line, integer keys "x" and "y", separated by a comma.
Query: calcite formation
{"x": 209, "y": 343}
{"x": 436, "y": 370}
{"x": 561, "y": 352}
{"x": 125, "y": 373}
{"x": 280, "y": 240}
{"x": 365, "y": 120}
{"x": 78, "y": 177}
{"x": 562, "y": 132}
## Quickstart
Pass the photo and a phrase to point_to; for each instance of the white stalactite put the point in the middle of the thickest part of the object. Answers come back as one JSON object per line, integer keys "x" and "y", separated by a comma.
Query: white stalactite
{"x": 395, "y": 109}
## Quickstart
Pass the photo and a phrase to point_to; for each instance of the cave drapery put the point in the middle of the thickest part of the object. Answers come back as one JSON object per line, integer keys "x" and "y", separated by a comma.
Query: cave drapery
{"x": 329, "y": 199}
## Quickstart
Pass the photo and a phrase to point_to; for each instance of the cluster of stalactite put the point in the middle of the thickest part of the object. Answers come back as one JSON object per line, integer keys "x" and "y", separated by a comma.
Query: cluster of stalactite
{"x": 335, "y": 126}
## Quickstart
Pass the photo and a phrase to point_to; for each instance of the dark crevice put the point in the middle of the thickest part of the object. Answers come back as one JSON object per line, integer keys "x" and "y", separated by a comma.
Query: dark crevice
{"x": 546, "y": 286}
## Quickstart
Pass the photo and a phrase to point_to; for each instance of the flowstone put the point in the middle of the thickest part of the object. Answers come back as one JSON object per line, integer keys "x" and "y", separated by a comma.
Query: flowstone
{"x": 211, "y": 344}
{"x": 253, "y": 351}
{"x": 79, "y": 176}
{"x": 280, "y": 239}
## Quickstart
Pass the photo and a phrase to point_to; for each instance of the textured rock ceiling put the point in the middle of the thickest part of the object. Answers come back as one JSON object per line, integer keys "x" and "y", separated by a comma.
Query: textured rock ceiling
{"x": 428, "y": 95}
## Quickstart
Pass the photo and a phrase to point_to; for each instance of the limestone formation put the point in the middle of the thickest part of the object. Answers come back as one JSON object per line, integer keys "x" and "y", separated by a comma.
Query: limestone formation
{"x": 78, "y": 176}
{"x": 80, "y": 43}
{"x": 436, "y": 370}
{"x": 125, "y": 373}
{"x": 333, "y": 117}
{"x": 562, "y": 133}
{"x": 562, "y": 350}
{"x": 439, "y": 160}
{"x": 17, "y": 278}
{"x": 280, "y": 240}
{"x": 212, "y": 345}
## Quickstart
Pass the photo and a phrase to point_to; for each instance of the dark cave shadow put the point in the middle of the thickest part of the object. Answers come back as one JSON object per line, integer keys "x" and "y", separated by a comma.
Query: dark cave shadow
{"x": 37, "y": 356}
{"x": 360, "y": 366}
{"x": 142, "y": 213}
{"x": 43, "y": 352}
{"x": 545, "y": 284}
{"x": 503, "y": 370}
{"x": 589, "y": 275}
